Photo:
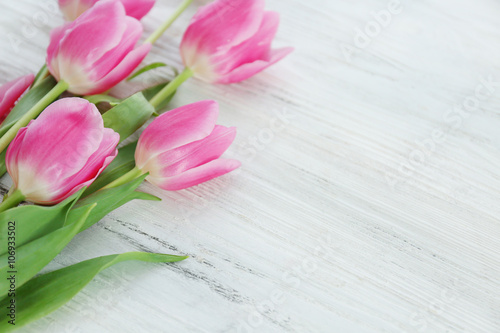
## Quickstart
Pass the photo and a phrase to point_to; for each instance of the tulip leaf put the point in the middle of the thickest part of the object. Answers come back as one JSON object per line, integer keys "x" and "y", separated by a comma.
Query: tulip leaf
{"x": 128, "y": 116}
{"x": 3, "y": 166}
{"x": 27, "y": 260}
{"x": 108, "y": 200}
{"x": 151, "y": 92}
{"x": 146, "y": 69}
{"x": 27, "y": 102}
{"x": 42, "y": 74}
{"x": 123, "y": 163}
{"x": 96, "y": 99}
{"x": 48, "y": 292}
{"x": 32, "y": 222}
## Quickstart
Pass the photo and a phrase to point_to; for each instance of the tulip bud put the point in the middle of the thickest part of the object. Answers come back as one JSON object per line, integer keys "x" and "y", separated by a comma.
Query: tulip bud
{"x": 60, "y": 152}
{"x": 11, "y": 92}
{"x": 72, "y": 9}
{"x": 97, "y": 50}
{"x": 181, "y": 148}
{"x": 230, "y": 41}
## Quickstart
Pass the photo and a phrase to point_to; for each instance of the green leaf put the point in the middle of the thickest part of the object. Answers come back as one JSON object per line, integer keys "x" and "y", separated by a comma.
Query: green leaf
{"x": 48, "y": 292}
{"x": 144, "y": 196}
{"x": 146, "y": 69}
{"x": 108, "y": 200}
{"x": 3, "y": 167}
{"x": 128, "y": 116}
{"x": 30, "y": 258}
{"x": 42, "y": 73}
{"x": 27, "y": 102}
{"x": 151, "y": 92}
{"x": 123, "y": 163}
{"x": 102, "y": 98}
{"x": 33, "y": 222}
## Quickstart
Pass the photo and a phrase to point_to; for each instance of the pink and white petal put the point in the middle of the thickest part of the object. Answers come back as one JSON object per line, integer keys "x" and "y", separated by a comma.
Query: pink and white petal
{"x": 176, "y": 128}
{"x": 222, "y": 24}
{"x": 11, "y": 92}
{"x": 255, "y": 48}
{"x": 138, "y": 8}
{"x": 113, "y": 57}
{"x": 56, "y": 36}
{"x": 11, "y": 157}
{"x": 42, "y": 197}
{"x": 248, "y": 70}
{"x": 85, "y": 41}
{"x": 95, "y": 164}
{"x": 192, "y": 155}
{"x": 196, "y": 176}
{"x": 59, "y": 142}
{"x": 122, "y": 71}
{"x": 71, "y": 9}
{"x": 25, "y": 176}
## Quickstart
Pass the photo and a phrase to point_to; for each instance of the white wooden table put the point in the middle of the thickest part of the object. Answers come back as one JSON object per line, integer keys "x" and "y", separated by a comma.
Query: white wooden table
{"x": 368, "y": 200}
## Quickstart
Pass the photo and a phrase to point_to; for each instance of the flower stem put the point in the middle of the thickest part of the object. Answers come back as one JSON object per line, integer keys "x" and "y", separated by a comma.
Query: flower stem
{"x": 170, "y": 87}
{"x": 126, "y": 178}
{"x": 157, "y": 34}
{"x": 12, "y": 200}
{"x": 32, "y": 113}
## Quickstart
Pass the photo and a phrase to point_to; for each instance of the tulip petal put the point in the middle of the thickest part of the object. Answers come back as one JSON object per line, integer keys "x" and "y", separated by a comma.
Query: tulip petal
{"x": 11, "y": 92}
{"x": 176, "y": 128}
{"x": 247, "y": 70}
{"x": 192, "y": 155}
{"x": 96, "y": 163}
{"x": 138, "y": 9}
{"x": 12, "y": 156}
{"x": 71, "y": 9}
{"x": 115, "y": 56}
{"x": 195, "y": 176}
{"x": 222, "y": 24}
{"x": 56, "y": 35}
{"x": 257, "y": 47}
{"x": 89, "y": 37}
{"x": 120, "y": 72}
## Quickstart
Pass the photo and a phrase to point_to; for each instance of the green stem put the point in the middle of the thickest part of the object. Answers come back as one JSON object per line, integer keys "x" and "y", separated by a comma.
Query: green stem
{"x": 42, "y": 74}
{"x": 11, "y": 200}
{"x": 157, "y": 34}
{"x": 32, "y": 113}
{"x": 171, "y": 87}
{"x": 126, "y": 178}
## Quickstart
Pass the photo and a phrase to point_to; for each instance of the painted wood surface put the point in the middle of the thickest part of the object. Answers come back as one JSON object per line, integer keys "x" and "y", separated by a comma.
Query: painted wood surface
{"x": 368, "y": 196}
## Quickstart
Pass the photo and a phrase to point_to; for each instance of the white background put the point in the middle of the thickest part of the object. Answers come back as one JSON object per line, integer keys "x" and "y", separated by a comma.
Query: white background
{"x": 365, "y": 203}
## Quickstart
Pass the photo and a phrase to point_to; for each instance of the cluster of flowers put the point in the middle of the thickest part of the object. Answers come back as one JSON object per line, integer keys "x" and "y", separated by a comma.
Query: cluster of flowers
{"x": 58, "y": 149}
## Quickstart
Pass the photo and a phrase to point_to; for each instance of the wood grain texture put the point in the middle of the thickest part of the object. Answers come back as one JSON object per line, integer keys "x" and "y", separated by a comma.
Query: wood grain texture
{"x": 367, "y": 200}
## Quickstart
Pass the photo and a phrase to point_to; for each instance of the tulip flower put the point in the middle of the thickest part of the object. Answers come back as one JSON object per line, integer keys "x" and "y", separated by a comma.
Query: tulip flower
{"x": 11, "y": 92}
{"x": 181, "y": 148}
{"x": 227, "y": 42}
{"x": 72, "y": 9}
{"x": 230, "y": 41}
{"x": 97, "y": 50}
{"x": 59, "y": 153}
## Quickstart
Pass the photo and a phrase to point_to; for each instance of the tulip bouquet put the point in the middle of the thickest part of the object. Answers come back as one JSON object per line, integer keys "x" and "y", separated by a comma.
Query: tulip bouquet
{"x": 65, "y": 154}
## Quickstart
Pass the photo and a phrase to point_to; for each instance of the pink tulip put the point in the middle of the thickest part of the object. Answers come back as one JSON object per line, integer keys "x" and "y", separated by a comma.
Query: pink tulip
{"x": 97, "y": 50}
{"x": 72, "y": 9}
{"x": 230, "y": 41}
{"x": 60, "y": 152}
{"x": 11, "y": 92}
{"x": 181, "y": 148}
